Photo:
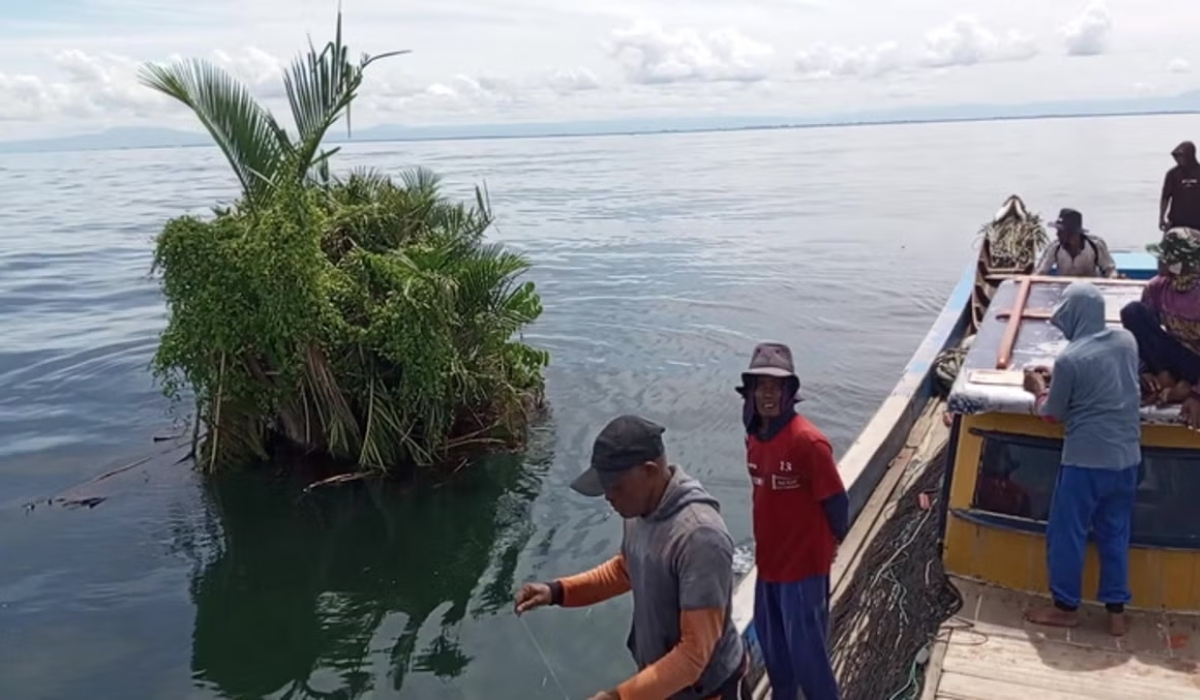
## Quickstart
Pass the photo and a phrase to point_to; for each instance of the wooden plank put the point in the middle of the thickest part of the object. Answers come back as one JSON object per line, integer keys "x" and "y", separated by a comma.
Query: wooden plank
{"x": 1004, "y": 356}
{"x": 956, "y": 686}
{"x": 997, "y": 278}
{"x": 1044, "y": 668}
{"x": 1045, "y": 314}
{"x": 933, "y": 671}
{"x": 997, "y": 377}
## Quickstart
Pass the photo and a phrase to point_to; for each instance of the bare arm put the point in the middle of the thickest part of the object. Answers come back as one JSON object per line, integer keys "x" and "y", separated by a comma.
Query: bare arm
{"x": 1056, "y": 401}
{"x": 1104, "y": 259}
{"x": 1164, "y": 201}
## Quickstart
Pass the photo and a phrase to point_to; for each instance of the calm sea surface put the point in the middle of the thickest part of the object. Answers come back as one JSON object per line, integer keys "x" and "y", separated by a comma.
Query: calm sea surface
{"x": 661, "y": 260}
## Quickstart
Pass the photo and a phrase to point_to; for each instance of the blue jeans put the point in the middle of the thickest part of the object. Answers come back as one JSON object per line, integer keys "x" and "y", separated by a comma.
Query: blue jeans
{"x": 1102, "y": 500}
{"x": 791, "y": 621}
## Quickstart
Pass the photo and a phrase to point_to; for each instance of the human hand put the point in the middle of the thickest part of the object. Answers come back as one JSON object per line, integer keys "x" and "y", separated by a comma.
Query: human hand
{"x": 532, "y": 595}
{"x": 1190, "y": 412}
{"x": 606, "y": 695}
{"x": 1151, "y": 389}
{"x": 1036, "y": 380}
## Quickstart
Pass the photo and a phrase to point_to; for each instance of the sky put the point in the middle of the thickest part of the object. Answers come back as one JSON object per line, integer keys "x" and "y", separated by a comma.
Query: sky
{"x": 69, "y": 66}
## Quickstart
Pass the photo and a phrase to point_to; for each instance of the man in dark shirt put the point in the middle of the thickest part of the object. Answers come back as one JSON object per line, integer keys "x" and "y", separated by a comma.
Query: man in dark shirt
{"x": 1180, "y": 203}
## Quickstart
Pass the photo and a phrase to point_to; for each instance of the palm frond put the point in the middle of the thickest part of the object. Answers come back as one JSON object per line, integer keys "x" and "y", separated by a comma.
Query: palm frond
{"x": 320, "y": 87}
{"x": 252, "y": 141}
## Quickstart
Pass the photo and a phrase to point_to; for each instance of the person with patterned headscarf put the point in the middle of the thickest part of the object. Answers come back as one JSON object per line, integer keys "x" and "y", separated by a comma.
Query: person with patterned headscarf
{"x": 1166, "y": 324}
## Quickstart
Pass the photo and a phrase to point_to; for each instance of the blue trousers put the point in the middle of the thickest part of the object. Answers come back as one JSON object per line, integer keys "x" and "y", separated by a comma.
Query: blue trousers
{"x": 1100, "y": 500}
{"x": 791, "y": 621}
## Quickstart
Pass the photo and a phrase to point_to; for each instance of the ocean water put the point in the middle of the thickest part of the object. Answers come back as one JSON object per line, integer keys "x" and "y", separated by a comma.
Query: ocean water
{"x": 662, "y": 260}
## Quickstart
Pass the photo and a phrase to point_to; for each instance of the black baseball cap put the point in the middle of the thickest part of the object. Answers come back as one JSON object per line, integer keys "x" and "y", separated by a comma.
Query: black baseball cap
{"x": 626, "y": 442}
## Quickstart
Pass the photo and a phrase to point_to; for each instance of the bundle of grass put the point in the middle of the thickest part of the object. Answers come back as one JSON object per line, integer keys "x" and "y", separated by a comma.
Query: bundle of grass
{"x": 1014, "y": 237}
{"x": 358, "y": 318}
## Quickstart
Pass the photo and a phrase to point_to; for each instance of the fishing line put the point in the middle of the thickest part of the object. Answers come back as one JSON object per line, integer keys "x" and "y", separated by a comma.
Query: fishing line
{"x": 545, "y": 661}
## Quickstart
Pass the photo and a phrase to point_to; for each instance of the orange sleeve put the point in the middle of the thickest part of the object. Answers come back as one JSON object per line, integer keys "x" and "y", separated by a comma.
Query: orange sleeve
{"x": 608, "y": 580}
{"x": 700, "y": 630}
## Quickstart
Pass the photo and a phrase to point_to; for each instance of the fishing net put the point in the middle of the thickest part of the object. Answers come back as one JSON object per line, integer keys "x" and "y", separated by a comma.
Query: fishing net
{"x": 885, "y": 623}
{"x": 947, "y": 365}
{"x": 1015, "y": 241}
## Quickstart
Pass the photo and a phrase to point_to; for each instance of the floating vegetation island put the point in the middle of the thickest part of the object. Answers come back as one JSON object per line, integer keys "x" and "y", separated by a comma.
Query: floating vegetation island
{"x": 358, "y": 318}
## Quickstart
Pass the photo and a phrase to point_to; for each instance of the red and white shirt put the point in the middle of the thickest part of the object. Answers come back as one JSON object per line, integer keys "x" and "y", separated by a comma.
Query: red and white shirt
{"x": 792, "y": 473}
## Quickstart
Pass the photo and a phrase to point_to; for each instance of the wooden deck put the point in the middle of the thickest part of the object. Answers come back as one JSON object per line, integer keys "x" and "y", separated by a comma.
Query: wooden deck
{"x": 988, "y": 652}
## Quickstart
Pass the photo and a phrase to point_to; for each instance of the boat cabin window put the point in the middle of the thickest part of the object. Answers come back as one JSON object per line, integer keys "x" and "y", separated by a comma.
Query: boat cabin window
{"x": 1017, "y": 475}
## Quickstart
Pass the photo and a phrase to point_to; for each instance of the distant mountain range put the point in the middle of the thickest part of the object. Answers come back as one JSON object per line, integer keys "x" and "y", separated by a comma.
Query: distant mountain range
{"x": 154, "y": 137}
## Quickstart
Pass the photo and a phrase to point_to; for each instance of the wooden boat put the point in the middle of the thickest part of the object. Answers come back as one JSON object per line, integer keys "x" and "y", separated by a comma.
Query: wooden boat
{"x": 964, "y": 476}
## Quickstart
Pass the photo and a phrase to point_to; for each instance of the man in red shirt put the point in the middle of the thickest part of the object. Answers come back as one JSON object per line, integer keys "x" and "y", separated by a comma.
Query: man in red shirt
{"x": 801, "y": 514}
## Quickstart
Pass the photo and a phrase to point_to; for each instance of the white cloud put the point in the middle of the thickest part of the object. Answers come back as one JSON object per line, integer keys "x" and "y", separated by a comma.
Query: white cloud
{"x": 652, "y": 55}
{"x": 91, "y": 85}
{"x": 1088, "y": 33}
{"x": 964, "y": 41}
{"x": 261, "y": 71}
{"x": 106, "y": 85}
{"x": 530, "y": 60}
{"x": 565, "y": 82}
{"x": 824, "y": 61}
{"x": 1179, "y": 65}
{"x": 28, "y": 97}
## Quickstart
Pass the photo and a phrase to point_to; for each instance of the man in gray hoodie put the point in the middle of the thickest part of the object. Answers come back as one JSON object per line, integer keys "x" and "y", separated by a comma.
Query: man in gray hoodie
{"x": 1095, "y": 392}
{"x": 677, "y": 559}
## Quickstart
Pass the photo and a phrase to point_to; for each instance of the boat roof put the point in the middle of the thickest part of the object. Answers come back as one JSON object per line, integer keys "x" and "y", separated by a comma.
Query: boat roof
{"x": 987, "y": 384}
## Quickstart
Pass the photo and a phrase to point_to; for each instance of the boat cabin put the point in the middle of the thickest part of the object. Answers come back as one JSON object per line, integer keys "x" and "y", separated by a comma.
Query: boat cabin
{"x": 1005, "y": 461}
{"x": 1002, "y": 466}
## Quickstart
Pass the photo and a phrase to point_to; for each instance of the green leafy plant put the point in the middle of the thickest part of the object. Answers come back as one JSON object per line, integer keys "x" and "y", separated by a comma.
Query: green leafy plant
{"x": 356, "y": 317}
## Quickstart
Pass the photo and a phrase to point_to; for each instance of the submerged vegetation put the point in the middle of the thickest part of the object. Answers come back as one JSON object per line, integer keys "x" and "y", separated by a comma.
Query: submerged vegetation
{"x": 359, "y": 318}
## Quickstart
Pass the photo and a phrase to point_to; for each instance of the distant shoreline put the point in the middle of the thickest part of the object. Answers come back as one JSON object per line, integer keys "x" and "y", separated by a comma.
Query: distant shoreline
{"x": 563, "y": 131}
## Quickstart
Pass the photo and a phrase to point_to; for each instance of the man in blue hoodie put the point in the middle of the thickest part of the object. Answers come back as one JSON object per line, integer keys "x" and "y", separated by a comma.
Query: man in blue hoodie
{"x": 801, "y": 514}
{"x": 1095, "y": 392}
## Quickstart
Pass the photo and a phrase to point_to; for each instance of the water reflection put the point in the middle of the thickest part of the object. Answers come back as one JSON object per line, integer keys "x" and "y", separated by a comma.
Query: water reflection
{"x": 335, "y": 594}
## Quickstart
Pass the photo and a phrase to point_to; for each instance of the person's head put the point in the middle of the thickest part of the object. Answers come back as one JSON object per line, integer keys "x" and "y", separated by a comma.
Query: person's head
{"x": 770, "y": 383}
{"x": 1184, "y": 154}
{"x": 1080, "y": 312}
{"x": 1178, "y": 252}
{"x": 1069, "y": 226}
{"x": 629, "y": 467}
